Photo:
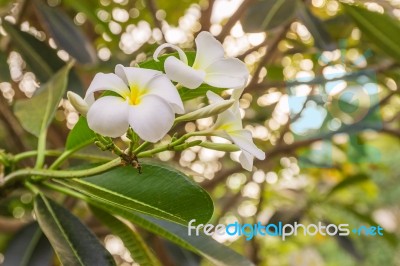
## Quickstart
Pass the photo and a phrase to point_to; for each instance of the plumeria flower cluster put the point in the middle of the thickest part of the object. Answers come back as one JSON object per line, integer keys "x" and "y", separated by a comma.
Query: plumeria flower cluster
{"x": 146, "y": 101}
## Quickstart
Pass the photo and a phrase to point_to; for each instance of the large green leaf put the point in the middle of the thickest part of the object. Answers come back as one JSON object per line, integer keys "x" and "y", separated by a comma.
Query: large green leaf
{"x": 66, "y": 34}
{"x": 90, "y": 9}
{"x": 381, "y": 29}
{"x": 36, "y": 114}
{"x": 4, "y": 68}
{"x": 159, "y": 190}
{"x": 203, "y": 245}
{"x": 36, "y": 54}
{"x": 40, "y": 58}
{"x": 73, "y": 243}
{"x": 80, "y": 135}
{"x": 347, "y": 182}
{"x": 140, "y": 252}
{"x": 29, "y": 247}
{"x": 264, "y": 15}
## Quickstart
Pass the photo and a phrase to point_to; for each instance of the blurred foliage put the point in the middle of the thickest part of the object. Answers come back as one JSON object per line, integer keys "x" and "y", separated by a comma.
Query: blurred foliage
{"x": 300, "y": 49}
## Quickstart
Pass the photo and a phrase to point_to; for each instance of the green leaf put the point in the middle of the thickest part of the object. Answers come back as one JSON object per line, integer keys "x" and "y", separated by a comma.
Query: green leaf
{"x": 36, "y": 114}
{"x": 381, "y": 29}
{"x": 40, "y": 58}
{"x": 80, "y": 135}
{"x": 349, "y": 181}
{"x": 265, "y": 15}
{"x": 73, "y": 243}
{"x": 90, "y": 9}
{"x": 203, "y": 245}
{"x": 140, "y": 252}
{"x": 4, "y": 68}
{"x": 28, "y": 247}
{"x": 159, "y": 191}
{"x": 66, "y": 34}
{"x": 316, "y": 27}
{"x": 189, "y": 94}
{"x": 159, "y": 65}
{"x": 33, "y": 51}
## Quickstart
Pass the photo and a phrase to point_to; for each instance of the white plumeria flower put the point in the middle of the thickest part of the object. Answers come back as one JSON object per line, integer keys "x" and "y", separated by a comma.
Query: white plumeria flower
{"x": 229, "y": 126}
{"x": 210, "y": 66}
{"x": 145, "y": 99}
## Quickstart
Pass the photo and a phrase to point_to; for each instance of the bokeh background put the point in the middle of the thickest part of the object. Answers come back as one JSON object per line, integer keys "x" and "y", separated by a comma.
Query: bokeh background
{"x": 322, "y": 102}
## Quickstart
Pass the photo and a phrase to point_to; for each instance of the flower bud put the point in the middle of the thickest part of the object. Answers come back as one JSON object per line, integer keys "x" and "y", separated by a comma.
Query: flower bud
{"x": 219, "y": 146}
{"x": 209, "y": 110}
{"x": 78, "y": 103}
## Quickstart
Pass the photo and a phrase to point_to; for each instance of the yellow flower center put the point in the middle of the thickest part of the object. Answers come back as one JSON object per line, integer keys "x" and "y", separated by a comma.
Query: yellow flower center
{"x": 135, "y": 95}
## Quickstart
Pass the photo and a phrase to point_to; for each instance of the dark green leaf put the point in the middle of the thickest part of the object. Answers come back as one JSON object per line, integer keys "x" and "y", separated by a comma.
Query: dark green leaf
{"x": 40, "y": 58}
{"x": 266, "y": 15}
{"x": 381, "y": 29}
{"x": 66, "y": 34}
{"x": 4, "y": 69}
{"x": 73, "y": 243}
{"x": 90, "y": 9}
{"x": 203, "y": 245}
{"x": 349, "y": 181}
{"x": 29, "y": 247}
{"x": 317, "y": 29}
{"x": 152, "y": 64}
{"x": 189, "y": 94}
{"x": 80, "y": 135}
{"x": 35, "y": 53}
{"x": 140, "y": 252}
{"x": 36, "y": 114}
{"x": 160, "y": 191}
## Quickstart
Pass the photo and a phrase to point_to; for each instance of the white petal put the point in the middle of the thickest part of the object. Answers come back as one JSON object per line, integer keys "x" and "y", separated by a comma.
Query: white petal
{"x": 213, "y": 97}
{"x": 152, "y": 118}
{"x": 208, "y": 49}
{"x": 139, "y": 77}
{"x": 163, "y": 87}
{"x": 243, "y": 139}
{"x": 227, "y": 73}
{"x": 182, "y": 55}
{"x": 246, "y": 160}
{"x": 178, "y": 71}
{"x": 106, "y": 82}
{"x": 229, "y": 120}
{"x": 108, "y": 116}
{"x": 237, "y": 93}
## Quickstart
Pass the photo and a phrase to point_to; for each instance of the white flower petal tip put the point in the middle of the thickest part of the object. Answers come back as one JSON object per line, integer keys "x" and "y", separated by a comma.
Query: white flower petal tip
{"x": 210, "y": 65}
{"x": 151, "y": 124}
{"x": 78, "y": 103}
{"x": 145, "y": 99}
{"x": 246, "y": 160}
{"x": 108, "y": 116}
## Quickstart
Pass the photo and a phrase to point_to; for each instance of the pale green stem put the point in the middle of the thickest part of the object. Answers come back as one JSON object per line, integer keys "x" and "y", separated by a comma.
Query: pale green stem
{"x": 41, "y": 148}
{"x": 44, "y": 174}
{"x": 66, "y": 154}
{"x": 23, "y": 155}
{"x": 169, "y": 146}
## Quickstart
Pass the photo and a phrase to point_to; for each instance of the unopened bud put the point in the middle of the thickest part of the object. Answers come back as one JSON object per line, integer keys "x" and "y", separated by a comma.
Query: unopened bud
{"x": 209, "y": 110}
{"x": 78, "y": 103}
{"x": 220, "y": 146}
